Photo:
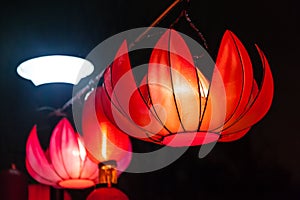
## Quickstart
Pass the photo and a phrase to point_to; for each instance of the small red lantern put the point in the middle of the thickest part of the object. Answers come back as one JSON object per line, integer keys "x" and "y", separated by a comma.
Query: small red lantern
{"x": 14, "y": 184}
{"x": 108, "y": 193}
{"x": 65, "y": 164}
{"x": 176, "y": 104}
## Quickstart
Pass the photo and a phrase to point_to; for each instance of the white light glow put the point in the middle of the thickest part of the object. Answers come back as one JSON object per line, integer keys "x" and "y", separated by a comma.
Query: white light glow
{"x": 55, "y": 69}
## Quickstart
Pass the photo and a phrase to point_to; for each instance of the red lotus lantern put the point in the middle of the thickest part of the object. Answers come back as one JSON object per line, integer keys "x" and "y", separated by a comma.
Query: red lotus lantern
{"x": 65, "y": 164}
{"x": 176, "y": 104}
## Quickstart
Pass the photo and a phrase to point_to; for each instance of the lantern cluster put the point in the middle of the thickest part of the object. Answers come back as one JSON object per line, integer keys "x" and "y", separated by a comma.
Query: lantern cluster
{"x": 176, "y": 104}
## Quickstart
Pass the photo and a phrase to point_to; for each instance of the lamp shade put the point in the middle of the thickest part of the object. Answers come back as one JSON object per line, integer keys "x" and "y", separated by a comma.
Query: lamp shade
{"x": 102, "y": 139}
{"x": 65, "y": 164}
{"x": 55, "y": 69}
{"x": 108, "y": 193}
{"x": 176, "y": 104}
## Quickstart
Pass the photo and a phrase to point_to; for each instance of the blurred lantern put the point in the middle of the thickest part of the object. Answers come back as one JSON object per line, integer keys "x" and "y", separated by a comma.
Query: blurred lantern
{"x": 108, "y": 193}
{"x": 65, "y": 164}
{"x": 14, "y": 184}
{"x": 176, "y": 104}
{"x": 110, "y": 147}
{"x": 102, "y": 139}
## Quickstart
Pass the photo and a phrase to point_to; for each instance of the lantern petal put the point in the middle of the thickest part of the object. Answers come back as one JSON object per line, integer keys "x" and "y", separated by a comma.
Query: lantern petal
{"x": 89, "y": 170}
{"x": 38, "y": 177}
{"x": 215, "y": 108}
{"x": 37, "y": 162}
{"x": 64, "y": 150}
{"x": 117, "y": 117}
{"x": 261, "y": 102}
{"x": 234, "y": 64}
{"x": 173, "y": 81}
{"x": 233, "y": 136}
{"x": 118, "y": 75}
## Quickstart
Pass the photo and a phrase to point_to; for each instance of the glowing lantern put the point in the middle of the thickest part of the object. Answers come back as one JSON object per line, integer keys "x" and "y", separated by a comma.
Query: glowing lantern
{"x": 110, "y": 147}
{"x": 176, "y": 104}
{"x": 109, "y": 193}
{"x": 65, "y": 164}
{"x": 102, "y": 139}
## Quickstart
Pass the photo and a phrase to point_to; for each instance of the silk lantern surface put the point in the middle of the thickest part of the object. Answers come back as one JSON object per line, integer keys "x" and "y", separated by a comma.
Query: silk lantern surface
{"x": 65, "y": 164}
{"x": 107, "y": 194}
{"x": 102, "y": 139}
{"x": 176, "y": 104}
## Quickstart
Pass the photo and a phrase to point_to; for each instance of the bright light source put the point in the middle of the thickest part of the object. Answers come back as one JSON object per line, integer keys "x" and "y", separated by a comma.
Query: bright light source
{"x": 55, "y": 69}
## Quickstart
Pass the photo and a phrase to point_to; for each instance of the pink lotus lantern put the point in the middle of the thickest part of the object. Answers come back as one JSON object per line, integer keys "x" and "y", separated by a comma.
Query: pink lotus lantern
{"x": 65, "y": 164}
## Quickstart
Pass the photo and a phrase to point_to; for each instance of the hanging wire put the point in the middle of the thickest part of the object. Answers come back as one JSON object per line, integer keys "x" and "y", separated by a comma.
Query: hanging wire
{"x": 93, "y": 82}
{"x": 188, "y": 19}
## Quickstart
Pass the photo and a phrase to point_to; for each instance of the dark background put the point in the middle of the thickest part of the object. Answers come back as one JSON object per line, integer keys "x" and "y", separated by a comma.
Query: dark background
{"x": 263, "y": 164}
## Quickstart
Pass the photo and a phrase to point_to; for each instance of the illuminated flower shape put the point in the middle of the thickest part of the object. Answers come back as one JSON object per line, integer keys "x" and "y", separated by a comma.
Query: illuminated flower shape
{"x": 176, "y": 104}
{"x": 65, "y": 164}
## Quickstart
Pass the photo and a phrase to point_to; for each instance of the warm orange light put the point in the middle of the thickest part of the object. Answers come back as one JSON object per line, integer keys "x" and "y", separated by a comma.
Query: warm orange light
{"x": 176, "y": 104}
{"x": 65, "y": 164}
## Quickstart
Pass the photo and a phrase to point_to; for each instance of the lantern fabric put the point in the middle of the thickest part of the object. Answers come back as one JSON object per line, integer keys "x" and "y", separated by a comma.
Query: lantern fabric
{"x": 65, "y": 164}
{"x": 176, "y": 104}
{"x": 102, "y": 139}
{"x": 108, "y": 193}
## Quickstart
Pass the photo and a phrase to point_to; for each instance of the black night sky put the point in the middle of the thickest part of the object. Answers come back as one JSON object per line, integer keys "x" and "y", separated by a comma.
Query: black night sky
{"x": 263, "y": 164}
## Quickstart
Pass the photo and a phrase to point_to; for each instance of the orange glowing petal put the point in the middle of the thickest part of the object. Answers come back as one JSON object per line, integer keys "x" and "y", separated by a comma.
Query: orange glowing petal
{"x": 36, "y": 162}
{"x": 64, "y": 150}
{"x": 235, "y": 66}
{"x": 215, "y": 110}
{"x": 173, "y": 83}
{"x": 260, "y": 103}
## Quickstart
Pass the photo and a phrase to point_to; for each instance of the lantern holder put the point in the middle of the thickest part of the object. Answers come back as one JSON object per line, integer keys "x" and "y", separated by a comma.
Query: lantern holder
{"x": 107, "y": 173}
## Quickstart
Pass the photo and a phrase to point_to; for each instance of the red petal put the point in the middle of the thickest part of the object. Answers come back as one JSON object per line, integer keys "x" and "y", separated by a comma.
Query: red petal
{"x": 37, "y": 163}
{"x": 64, "y": 150}
{"x": 233, "y": 136}
{"x": 262, "y": 101}
{"x": 235, "y": 66}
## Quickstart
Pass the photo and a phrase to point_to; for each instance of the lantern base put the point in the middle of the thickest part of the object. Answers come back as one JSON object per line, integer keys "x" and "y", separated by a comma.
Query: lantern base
{"x": 190, "y": 139}
{"x": 76, "y": 183}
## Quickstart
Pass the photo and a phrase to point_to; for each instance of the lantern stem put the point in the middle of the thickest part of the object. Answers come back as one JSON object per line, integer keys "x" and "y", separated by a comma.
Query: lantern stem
{"x": 108, "y": 173}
